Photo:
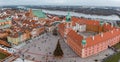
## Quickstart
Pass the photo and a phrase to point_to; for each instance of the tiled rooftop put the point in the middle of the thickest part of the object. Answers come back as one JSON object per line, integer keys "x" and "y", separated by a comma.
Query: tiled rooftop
{"x": 92, "y": 39}
{"x": 76, "y": 37}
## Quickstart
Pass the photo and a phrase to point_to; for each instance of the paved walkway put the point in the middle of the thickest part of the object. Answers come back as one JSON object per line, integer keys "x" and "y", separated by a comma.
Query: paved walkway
{"x": 10, "y": 59}
{"x": 40, "y": 49}
{"x": 20, "y": 60}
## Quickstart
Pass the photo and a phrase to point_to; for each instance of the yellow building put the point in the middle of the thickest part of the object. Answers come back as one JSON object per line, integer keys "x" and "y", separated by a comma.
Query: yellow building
{"x": 18, "y": 38}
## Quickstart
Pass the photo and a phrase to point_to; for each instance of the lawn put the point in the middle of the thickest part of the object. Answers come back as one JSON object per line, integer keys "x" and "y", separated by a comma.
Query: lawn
{"x": 114, "y": 58}
{"x": 117, "y": 46}
{"x": 2, "y": 56}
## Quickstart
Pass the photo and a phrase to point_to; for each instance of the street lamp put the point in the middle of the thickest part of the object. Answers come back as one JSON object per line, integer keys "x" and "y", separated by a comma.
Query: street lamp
{"x": 23, "y": 57}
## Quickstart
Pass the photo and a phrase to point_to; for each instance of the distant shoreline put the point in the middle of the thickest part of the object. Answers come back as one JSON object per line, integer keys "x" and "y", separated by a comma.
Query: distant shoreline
{"x": 57, "y": 12}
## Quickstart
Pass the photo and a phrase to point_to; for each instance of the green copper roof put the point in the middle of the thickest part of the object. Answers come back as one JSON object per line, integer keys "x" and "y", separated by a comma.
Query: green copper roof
{"x": 4, "y": 20}
{"x": 5, "y": 26}
{"x": 68, "y": 17}
{"x": 56, "y": 23}
{"x": 8, "y": 18}
{"x": 101, "y": 22}
{"x": 39, "y": 13}
{"x": 83, "y": 42}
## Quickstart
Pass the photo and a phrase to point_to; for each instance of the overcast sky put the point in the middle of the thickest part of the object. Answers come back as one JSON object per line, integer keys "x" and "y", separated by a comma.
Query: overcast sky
{"x": 62, "y": 2}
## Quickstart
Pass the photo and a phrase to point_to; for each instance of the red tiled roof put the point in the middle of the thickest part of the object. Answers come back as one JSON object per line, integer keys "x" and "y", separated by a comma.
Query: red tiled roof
{"x": 107, "y": 27}
{"x": 61, "y": 26}
{"x": 4, "y": 43}
{"x": 56, "y": 18}
{"x": 75, "y": 37}
{"x": 84, "y": 21}
{"x": 98, "y": 38}
{"x": 61, "y": 29}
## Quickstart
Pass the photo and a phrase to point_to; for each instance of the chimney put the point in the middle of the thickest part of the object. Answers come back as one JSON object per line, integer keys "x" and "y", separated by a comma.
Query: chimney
{"x": 93, "y": 37}
{"x": 101, "y": 35}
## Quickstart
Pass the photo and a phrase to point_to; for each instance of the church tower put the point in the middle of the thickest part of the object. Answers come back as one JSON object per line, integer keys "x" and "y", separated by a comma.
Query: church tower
{"x": 68, "y": 20}
{"x": 30, "y": 13}
{"x": 68, "y": 24}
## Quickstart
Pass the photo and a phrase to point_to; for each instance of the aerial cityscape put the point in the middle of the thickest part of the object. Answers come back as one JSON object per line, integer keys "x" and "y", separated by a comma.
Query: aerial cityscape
{"x": 59, "y": 32}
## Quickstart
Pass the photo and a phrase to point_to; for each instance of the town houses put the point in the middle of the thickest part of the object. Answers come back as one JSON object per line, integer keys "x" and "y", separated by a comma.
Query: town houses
{"x": 24, "y": 27}
{"x": 21, "y": 25}
{"x": 5, "y": 20}
{"x": 88, "y": 37}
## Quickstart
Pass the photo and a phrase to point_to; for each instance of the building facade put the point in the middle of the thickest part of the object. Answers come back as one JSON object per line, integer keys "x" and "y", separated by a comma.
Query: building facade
{"x": 18, "y": 38}
{"x": 37, "y": 31}
{"x": 106, "y": 36}
{"x": 5, "y": 23}
{"x": 79, "y": 27}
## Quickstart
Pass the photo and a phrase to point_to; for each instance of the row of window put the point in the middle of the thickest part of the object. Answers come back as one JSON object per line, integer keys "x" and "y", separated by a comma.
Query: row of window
{"x": 3, "y": 23}
{"x": 99, "y": 47}
{"x": 75, "y": 48}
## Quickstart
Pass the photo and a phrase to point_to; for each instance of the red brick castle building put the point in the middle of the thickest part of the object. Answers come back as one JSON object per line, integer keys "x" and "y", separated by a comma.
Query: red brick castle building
{"x": 88, "y": 37}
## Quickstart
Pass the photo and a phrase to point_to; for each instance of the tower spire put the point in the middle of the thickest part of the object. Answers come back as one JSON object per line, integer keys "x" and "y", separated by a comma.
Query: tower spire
{"x": 68, "y": 19}
{"x": 31, "y": 13}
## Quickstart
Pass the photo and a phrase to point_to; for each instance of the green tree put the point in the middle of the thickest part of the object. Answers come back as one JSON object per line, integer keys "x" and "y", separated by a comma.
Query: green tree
{"x": 58, "y": 51}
